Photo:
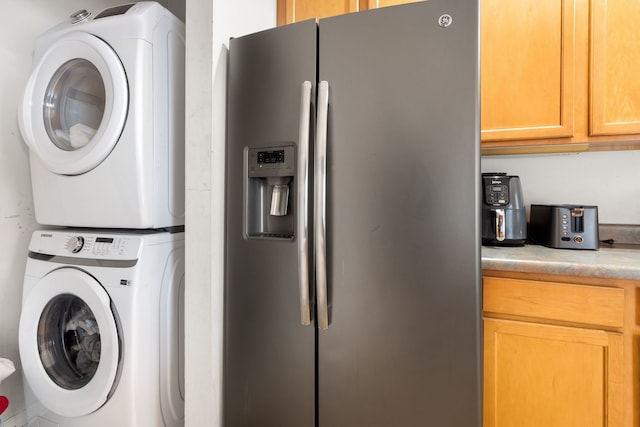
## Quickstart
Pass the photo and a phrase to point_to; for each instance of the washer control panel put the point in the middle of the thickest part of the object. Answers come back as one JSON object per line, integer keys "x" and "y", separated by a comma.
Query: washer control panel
{"x": 87, "y": 245}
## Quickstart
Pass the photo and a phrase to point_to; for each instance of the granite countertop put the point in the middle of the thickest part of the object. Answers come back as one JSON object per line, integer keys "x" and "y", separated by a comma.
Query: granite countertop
{"x": 610, "y": 262}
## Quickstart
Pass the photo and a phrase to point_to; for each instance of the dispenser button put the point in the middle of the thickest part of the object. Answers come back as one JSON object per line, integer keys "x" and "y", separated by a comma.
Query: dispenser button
{"x": 279, "y": 200}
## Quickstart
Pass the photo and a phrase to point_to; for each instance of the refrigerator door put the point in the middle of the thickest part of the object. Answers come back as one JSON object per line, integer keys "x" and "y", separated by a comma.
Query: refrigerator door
{"x": 403, "y": 243}
{"x": 269, "y": 355}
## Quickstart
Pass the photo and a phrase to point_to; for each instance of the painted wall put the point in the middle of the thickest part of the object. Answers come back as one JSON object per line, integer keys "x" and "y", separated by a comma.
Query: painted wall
{"x": 609, "y": 180}
{"x": 209, "y": 26}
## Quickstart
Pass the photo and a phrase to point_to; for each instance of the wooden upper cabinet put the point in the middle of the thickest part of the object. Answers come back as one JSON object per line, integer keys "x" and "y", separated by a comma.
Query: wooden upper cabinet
{"x": 560, "y": 72}
{"x": 374, "y": 4}
{"x": 615, "y": 67}
{"x": 290, "y": 11}
{"x": 527, "y": 69}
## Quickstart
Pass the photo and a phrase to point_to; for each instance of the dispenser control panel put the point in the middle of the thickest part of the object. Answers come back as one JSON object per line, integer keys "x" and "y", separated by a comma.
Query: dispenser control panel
{"x": 275, "y": 161}
{"x": 269, "y": 188}
{"x": 270, "y": 157}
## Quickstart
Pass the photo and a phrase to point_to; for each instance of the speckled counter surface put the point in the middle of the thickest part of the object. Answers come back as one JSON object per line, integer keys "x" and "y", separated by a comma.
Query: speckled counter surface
{"x": 610, "y": 263}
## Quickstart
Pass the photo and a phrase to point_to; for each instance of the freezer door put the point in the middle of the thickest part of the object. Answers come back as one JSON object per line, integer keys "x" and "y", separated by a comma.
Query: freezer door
{"x": 403, "y": 244}
{"x": 269, "y": 355}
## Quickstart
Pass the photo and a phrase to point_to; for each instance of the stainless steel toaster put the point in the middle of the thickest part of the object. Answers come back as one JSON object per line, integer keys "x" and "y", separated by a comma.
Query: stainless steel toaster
{"x": 564, "y": 226}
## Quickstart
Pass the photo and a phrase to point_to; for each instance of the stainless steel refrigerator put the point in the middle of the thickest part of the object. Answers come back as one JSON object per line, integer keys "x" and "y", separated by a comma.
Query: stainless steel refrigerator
{"x": 352, "y": 294}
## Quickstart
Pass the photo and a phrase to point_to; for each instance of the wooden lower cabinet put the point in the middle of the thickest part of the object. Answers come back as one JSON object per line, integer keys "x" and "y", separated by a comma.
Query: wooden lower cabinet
{"x": 559, "y": 354}
{"x": 553, "y": 376}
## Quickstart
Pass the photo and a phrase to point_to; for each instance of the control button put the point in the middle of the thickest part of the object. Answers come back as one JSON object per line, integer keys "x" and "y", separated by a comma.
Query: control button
{"x": 75, "y": 244}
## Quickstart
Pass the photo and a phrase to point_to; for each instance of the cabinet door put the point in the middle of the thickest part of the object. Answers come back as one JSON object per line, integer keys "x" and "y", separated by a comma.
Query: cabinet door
{"x": 374, "y": 4}
{"x": 615, "y": 67}
{"x": 527, "y": 69}
{"x": 290, "y": 11}
{"x": 543, "y": 375}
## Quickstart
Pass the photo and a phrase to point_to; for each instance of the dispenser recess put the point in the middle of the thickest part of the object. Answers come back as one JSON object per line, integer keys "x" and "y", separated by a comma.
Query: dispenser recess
{"x": 269, "y": 204}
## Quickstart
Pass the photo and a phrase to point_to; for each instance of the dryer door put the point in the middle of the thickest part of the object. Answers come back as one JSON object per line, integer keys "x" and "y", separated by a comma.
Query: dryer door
{"x": 69, "y": 344}
{"x": 75, "y": 104}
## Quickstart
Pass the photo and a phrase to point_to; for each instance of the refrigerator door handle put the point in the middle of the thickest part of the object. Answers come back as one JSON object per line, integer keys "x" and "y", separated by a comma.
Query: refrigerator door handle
{"x": 320, "y": 233}
{"x": 303, "y": 203}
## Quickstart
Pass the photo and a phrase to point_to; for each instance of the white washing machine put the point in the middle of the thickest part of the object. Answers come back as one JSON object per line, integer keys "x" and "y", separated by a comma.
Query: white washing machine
{"x": 103, "y": 117}
{"x": 101, "y": 331}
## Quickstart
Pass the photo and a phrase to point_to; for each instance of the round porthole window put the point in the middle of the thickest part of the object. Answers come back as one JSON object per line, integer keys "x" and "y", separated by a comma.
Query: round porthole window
{"x": 69, "y": 341}
{"x": 74, "y": 104}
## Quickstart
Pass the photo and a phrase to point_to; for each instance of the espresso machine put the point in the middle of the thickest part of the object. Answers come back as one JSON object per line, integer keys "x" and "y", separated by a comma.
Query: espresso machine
{"x": 504, "y": 219}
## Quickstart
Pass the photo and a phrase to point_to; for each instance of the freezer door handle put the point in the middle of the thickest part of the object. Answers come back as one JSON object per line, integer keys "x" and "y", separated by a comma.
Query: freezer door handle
{"x": 320, "y": 223}
{"x": 303, "y": 203}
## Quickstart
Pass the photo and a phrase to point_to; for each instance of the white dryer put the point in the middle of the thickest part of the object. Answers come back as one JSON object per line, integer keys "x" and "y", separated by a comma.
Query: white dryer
{"x": 101, "y": 330}
{"x": 103, "y": 117}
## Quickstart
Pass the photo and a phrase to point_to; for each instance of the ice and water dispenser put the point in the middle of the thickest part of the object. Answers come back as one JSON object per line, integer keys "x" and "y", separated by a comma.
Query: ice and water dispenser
{"x": 269, "y": 192}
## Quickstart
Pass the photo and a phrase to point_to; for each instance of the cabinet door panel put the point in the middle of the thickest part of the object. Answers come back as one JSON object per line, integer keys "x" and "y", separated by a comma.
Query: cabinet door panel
{"x": 543, "y": 375}
{"x": 374, "y": 4}
{"x": 595, "y": 305}
{"x": 290, "y": 11}
{"x": 527, "y": 69}
{"x": 615, "y": 67}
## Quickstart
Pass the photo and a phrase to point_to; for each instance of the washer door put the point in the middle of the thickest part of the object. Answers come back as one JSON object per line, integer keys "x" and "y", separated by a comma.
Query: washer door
{"x": 75, "y": 104}
{"x": 69, "y": 344}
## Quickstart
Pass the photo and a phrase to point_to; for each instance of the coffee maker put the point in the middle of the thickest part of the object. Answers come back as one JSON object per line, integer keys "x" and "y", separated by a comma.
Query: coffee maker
{"x": 504, "y": 219}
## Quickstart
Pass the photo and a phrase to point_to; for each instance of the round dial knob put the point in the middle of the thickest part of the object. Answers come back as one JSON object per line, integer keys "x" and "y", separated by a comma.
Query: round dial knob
{"x": 75, "y": 244}
{"x": 79, "y": 16}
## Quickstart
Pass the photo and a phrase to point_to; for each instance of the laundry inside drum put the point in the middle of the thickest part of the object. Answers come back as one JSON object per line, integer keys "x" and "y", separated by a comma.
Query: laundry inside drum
{"x": 69, "y": 341}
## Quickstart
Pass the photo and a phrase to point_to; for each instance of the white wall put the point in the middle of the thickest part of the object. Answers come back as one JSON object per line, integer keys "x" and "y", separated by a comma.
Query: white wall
{"x": 210, "y": 23}
{"x": 610, "y": 180}
{"x": 16, "y": 206}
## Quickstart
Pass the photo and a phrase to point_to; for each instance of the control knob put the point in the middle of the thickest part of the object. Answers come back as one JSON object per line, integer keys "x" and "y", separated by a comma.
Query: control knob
{"x": 79, "y": 16}
{"x": 75, "y": 244}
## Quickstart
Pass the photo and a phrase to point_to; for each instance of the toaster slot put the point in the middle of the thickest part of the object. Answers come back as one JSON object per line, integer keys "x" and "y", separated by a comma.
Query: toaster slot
{"x": 577, "y": 220}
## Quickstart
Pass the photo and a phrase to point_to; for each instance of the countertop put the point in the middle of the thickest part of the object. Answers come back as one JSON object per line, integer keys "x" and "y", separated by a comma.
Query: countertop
{"x": 610, "y": 262}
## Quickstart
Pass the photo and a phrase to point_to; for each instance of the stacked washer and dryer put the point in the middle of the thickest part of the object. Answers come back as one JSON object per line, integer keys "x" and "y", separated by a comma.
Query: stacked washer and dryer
{"x": 101, "y": 330}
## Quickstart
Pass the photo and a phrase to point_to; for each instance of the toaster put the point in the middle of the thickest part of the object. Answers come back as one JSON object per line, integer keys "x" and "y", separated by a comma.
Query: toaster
{"x": 564, "y": 226}
{"x": 504, "y": 219}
